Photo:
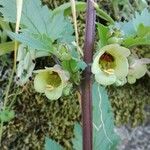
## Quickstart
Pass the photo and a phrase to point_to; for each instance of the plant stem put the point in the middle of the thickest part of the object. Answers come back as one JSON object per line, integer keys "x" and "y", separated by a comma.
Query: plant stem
{"x": 1, "y": 131}
{"x": 19, "y": 12}
{"x": 6, "y": 100}
{"x": 73, "y": 6}
{"x": 19, "y": 5}
{"x": 87, "y": 82}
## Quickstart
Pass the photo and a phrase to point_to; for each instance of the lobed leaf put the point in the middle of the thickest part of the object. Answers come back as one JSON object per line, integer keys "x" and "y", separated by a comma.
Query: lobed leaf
{"x": 6, "y": 47}
{"x": 80, "y": 6}
{"x": 34, "y": 24}
{"x": 77, "y": 141}
{"x": 142, "y": 37}
{"x": 103, "y": 35}
{"x": 130, "y": 28}
{"x": 52, "y": 145}
{"x": 104, "y": 136}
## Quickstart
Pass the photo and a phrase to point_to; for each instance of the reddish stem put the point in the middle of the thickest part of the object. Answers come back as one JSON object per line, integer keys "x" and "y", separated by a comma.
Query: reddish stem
{"x": 87, "y": 83}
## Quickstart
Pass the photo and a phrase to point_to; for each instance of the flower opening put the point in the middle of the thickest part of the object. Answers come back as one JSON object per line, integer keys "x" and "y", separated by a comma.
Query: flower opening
{"x": 110, "y": 64}
{"x": 51, "y": 81}
{"x": 107, "y": 63}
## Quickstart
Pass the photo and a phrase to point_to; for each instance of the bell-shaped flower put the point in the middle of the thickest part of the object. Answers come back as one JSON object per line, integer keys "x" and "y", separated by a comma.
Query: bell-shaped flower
{"x": 137, "y": 68}
{"x": 110, "y": 64}
{"x": 51, "y": 81}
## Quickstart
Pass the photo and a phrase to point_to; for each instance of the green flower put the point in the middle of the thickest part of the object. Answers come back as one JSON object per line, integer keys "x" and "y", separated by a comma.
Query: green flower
{"x": 137, "y": 68}
{"x": 51, "y": 81}
{"x": 110, "y": 64}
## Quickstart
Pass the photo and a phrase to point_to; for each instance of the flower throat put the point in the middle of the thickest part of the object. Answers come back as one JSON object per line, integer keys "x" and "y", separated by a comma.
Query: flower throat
{"x": 107, "y": 63}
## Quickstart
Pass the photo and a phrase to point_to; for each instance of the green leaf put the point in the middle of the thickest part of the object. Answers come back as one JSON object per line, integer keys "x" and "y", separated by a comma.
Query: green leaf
{"x": 40, "y": 21}
{"x": 73, "y": 68}
{"x": 143, "y": 30}
{"x": 103, "y": 123}
{"x": 6, "y": 115}
{"x": 4, "y": 25}
{"x": 142, "y": 18}
{"x": 60, "y": 28}
{"x": 103, "y": 34}
{"x": 67, "y": 33}
{"x": 130, "y": 42}
{"x": 130, "y": 28}
{"x": 70, "y": 65}
{"x": 81, "y": 65}
{"x": 6, "y": 47}
{"x": 52, "y": 145}
{"x": 80, "y": 6}
{"x": 35, "y": 20}
{"x": 102, "y": 14}
{"x": 37, "y": 24}
{"x": 104, "y": 137}
{"x": 73, "y": 65}
{"x": 39, "y": 42}
{"x": 8, "y": 10}
{"x": 77, "y": 141}
{"x": 141, "y": 38}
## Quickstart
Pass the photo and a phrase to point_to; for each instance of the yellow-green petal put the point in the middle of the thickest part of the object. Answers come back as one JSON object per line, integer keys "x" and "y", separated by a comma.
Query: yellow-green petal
{"x": 105, "y": 79}
{"x": 139, "y": 71}
{"x": 122, "y": 67}
{"x": 95, "y": 65}
{"x": 40, "y": 81}
{"x": 51, "y": 81}
{"x": 124, "y": 51}
{"x": 54, "y": 94}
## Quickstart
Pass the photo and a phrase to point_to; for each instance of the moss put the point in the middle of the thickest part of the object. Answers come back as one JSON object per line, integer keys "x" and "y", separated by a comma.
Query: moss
{"x": 36, "y": 117}
{"x": 128, "y": 102}
{"x": 54, "y": 3}
{"x": 142, "y": 51}
{"x": 81, "y": 28}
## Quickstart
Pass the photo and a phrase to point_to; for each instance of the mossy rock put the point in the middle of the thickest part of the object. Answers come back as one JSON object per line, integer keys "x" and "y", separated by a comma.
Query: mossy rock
{"x": 129, "y": 102}
{"x": 36, "y": 118}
